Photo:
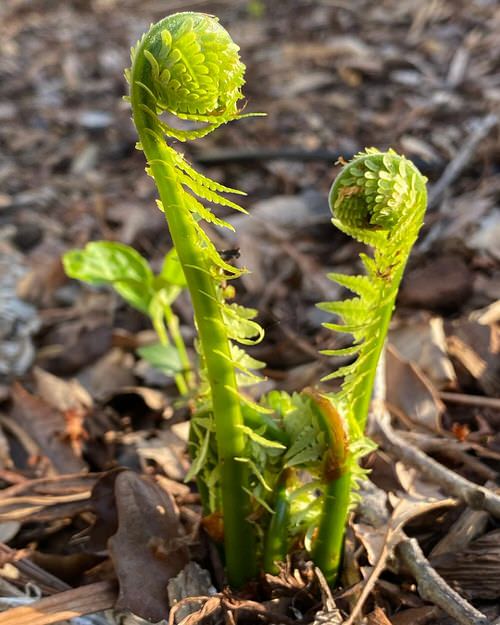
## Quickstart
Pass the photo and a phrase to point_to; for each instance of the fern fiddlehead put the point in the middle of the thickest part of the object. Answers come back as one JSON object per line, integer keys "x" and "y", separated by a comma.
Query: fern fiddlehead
{"x": 188, "y": 66}
{"x": 378, "y": 199}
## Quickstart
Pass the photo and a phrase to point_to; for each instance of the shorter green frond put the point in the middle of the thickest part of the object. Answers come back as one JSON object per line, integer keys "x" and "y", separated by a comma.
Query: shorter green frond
{"x": 343, "y": 351}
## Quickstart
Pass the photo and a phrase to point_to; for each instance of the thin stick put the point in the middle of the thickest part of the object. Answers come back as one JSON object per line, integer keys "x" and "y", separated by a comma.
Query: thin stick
{"x": 63, "y": 606}
{"x": 433, "y": 588}
{"x": 391, "y": 538}
{"x": 477, "y": 497}
{"x": 470, "y": 400}
{"x": 457, "y": 165}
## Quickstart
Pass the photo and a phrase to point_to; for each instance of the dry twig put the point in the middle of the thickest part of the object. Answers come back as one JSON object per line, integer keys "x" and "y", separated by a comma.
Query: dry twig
{"x": 457, "y": 165}
{"x": 475, "y": 496}
{"x": 433, "y": 588}
{"x": 470, "y": 400}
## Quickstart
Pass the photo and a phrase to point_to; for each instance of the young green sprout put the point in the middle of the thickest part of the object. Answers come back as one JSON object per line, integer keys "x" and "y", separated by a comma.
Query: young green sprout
{"x": 378, "y": 199}
{"x": 187, "y": 66}
{"x": 279, "y": 474}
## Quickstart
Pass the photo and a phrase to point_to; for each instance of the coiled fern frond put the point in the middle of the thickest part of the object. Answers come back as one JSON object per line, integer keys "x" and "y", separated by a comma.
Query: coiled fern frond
{"x": 187, "y": 66}
{"x": 378, "y": 199}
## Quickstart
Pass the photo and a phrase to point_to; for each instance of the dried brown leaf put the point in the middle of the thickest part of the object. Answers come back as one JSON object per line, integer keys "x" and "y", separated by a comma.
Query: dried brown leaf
{"x": 147, "y": 549}
{"x": 48, "y": 428}
{"x": 422, "y": 341}
{"x": 474, "y": 572}
{"x": 411, "y": 393}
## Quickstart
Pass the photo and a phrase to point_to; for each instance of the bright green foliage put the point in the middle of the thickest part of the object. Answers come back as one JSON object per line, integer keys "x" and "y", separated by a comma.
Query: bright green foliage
{"x": 129, "y": 274}
{"x": 162, "y": 357}
{"x": 116, "y": 264}
{"x": 279, "y": 473}
{"x": 380, "y": 200}
{"x": 188, "y": 66}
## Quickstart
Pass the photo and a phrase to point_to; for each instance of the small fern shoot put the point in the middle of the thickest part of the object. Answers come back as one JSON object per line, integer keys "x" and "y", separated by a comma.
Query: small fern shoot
{"x": 187, "y": 66}
{"x": 380, "y": 200}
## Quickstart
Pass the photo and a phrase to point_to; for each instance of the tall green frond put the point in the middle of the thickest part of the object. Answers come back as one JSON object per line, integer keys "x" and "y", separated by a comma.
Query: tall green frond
{"x": 187, "y": 66}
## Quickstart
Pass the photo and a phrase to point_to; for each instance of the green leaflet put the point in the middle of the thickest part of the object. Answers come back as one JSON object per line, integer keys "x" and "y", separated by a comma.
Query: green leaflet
{"x": 171, "y": 271}
{"x": 261, "y": 440}
{"x": 116, "y": 264}
{"x": 162, "y": 357}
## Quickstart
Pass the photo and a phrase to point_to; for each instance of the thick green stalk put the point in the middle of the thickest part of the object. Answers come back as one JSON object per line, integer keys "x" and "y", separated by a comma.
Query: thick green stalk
{"x": 327, "y": 548}
{"x": 238, "y": 532}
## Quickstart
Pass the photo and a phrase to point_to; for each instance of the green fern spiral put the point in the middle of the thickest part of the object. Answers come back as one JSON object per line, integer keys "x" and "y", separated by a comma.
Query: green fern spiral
{"x": 197, "y": 69}
{"x": 376, "y": 190}
{"x": 380, "y": 200}
{"x": 186, "y": 65}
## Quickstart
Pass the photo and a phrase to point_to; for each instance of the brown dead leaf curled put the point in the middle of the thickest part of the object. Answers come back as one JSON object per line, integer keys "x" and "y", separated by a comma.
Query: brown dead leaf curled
{"x": 147, "y": 549}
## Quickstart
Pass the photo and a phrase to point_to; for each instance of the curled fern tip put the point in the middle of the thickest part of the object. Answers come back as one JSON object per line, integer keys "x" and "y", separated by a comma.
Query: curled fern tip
{"x": 375, "y": 190}
{"x": 190, "y": 67}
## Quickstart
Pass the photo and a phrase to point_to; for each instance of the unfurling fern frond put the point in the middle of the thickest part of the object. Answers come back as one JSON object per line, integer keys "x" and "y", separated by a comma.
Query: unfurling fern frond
{"x": 380, "y": 200}
{"x": 187, "y": 66}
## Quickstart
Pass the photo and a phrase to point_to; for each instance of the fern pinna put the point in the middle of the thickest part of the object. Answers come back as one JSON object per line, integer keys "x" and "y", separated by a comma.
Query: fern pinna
{"x": 378, "y": 199}
{"x": 188, "y": 66}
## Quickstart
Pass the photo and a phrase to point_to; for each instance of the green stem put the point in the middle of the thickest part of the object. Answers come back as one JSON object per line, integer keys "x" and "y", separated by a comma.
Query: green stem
{"x": 361, "y": 403}
{"x": 327, "y": 548}
{"x": 161, "y": 331}
{"x": 276, "y": 543}
{"x": 238, "y": 532}
{"x": 174, "y": 330}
